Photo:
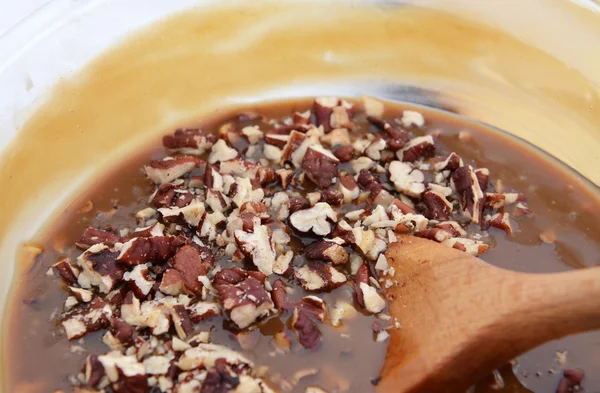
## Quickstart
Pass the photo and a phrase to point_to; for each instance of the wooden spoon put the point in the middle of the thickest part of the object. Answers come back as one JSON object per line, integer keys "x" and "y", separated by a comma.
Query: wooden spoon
{"x": 462, "y": 318}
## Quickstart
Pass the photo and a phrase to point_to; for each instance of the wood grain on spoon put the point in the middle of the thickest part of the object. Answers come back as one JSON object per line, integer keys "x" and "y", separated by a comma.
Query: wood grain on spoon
{"x": 461, "y": 317}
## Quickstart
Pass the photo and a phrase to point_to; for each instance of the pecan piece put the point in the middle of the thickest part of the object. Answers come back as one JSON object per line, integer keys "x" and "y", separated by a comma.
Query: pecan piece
{"x": 471, "y": 198}
{"x": 501, "y": 221}
{"x": 348, "y": 187}
{"x": 320, "y": 165}
{"x": 94, "y": 371}
{"x": 170, "y": 168}
{"x": 319, "y": 277}
{"x": 285, "y": 177}
{"x": 406, "y": 179}
{"x": 450, "y": 163}
{"x": 483, "y": 177}
{"x": 314, "y": 219}
{"x": 258, "y": 246}
{"x": 496, "y": 200}
{"x": 313, "y": 306}
{"x": 221, "y": 152}
{"x": 332, "y": 113}
{"x": 416, "y": 148}
{"x": 295, "y": 141}
{"x": 144, "y": 249}
{"x": 344, "y": 153}
{"x": 328, "y": 251}
{"x": 85, "y": 318}
{"x": 397, "y": 137}
{"x": 194, "y": 141}
{"x": 437, "y": 206}
{"x": 435, "y": 234}
{"x": 125, "y": 372}
{"x": 243, "y": 296}
{"x": 66, "y": 270}
{"x": 279, "y": 295}
{"x": 99, "y": 268}
{"x": 92, "y": 236}
{"x": 308, "y": 333}
{"x": 192, "y": 263}
{"x": 139, "y": 281}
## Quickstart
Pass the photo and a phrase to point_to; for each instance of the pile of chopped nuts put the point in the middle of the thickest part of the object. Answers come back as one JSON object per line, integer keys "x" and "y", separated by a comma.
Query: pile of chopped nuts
{"x": 241, "y": 217}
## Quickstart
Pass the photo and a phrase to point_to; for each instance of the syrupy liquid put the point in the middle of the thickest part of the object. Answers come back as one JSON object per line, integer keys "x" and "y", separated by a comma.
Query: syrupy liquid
{"x": 41, "y": 359}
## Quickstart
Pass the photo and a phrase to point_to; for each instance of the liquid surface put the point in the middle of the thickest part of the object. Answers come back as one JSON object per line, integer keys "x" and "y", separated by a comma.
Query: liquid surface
{"x": 562, "y": 204}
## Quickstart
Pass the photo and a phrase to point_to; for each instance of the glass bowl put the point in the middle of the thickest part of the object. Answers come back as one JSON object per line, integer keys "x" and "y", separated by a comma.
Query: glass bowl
{"x": 532, "y": 70}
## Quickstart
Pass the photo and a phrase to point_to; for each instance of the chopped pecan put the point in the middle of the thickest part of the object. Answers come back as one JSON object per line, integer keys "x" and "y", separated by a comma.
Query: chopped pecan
{"x": 361, "y": 277}
{"x": 170, "y": 168}
{"x": 139, "y": 280}
{"x": 314, "y": 219}
{"x": 403, "y": 207}
{"x": 94, "y": 371}
{"x": 93, "y": 236}
{"x": 372, "y": 106}
{"x": 496, "y": 200}
{"x": 343, "y": 230}
{"x": 295, "y": 141}
{"x": 412, "y": 118}
{"x": 221, "y": 152}
{"x": 125, "y": 372}
{"x": 397, "y": 137}
{"x": 501, "y": 221}
{"x": 320, "y": 166}
{"x": 522, "y": 210}
{"x": 452, "y": 227}
{"x": 373, "y": 151}
{"x": 449, "y": 163}
{"x": 416, "y": 148}
{"x": 85, "y": 318}
{"x": 181, "y": 321}
{"x": 144, "y": 249}
{"x": 193, "y": 141}
{"x": 332, "y": 197}
{"x": 406, "y": 179}
{"x": 253, "y": 134}
{"x": 362, "y": 163}
{"x": 121, "y": 330}
{"x": 309, "y": 334}
{"x": 332, "y": 113}
{"x": 285, "y": 177}
{"x": 437, "y": 206}
{"x": 483, "y": 177}
{"x": 258, "y": 246}
{"x": 471, "y": 198}
{"x": 217, "y": 201}
{"x": 302, "y": 117}
{"x": 313, "y": 306}
{"x": 374, "y": 303}
{"x": 66, "y": 270}
{"x": 473, "y": 247}
{"x": 344, "y": 153}
{"x": 99, "y": 268}
{"x": 348, "y": 187}
{"x": 337, "y": 137}
{"x": 435, "y": 234}
{"x": 206, "y": 355}
{"x": 368, "y": 182}
{"x": 325, "y": 250}
{"x": 319, "y": 277}
{"x": 279, "y": 295}
{"x": 296, "y": 204}
{"x": 246, "y": 299}
{"x": 258, "y": 208}
{"x": 192, "y": 263}
{"x": 203, "y": 310}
